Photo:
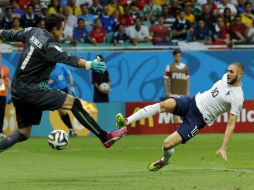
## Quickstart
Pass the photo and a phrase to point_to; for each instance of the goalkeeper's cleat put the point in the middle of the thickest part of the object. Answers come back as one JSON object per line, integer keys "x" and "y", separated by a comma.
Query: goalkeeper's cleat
{"x": 114, "y": 136}
{"x": 120, "y": 121}
{"x": 154, "y": 166}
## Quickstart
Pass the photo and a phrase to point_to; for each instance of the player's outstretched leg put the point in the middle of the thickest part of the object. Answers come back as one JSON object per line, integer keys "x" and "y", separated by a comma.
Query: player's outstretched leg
{"x": 141, "y": 114}
{"x": 16, "y": 137}
{"x": 66, "y": 119}
{"x": 107, "y": 138}
{"x": 168, "y": 150}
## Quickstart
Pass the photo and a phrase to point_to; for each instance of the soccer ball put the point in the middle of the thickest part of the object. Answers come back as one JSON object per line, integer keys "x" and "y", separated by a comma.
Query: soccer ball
{"x": 58, "y": 139}
{"x": 104, "y": 86}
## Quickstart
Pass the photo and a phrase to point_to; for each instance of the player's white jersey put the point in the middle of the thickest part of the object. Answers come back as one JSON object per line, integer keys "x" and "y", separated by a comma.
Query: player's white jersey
{"x": 221, "y": 98}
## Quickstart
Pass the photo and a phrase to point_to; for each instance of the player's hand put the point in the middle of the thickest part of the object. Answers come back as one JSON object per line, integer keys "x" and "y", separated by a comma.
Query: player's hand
{"x": 223, "y": 153}
{"x": 97, "y": 66}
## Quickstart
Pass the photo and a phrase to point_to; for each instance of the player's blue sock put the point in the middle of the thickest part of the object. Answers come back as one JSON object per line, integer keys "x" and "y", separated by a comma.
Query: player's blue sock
{"x": 87, "y": 121}
{"x": 11, "y": 140}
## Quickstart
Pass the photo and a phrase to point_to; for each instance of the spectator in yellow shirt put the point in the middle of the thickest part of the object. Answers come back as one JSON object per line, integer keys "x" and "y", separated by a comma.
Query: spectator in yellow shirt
{"x": 247, "y": 17}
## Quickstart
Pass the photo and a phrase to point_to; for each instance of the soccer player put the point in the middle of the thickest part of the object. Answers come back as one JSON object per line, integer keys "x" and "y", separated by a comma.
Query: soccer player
{"x": 60, "y": 77}
{"x": 226, "y": 95}
{"x": 4, "y": 83}
{"x": 177, "y": 74}
{"x": 29, "y": 93}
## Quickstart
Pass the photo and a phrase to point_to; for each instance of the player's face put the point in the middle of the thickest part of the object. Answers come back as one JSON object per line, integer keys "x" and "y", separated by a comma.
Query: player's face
{"x": 57, "y": 32}
{"x": 178, "y": 57}
{"x": 232, "y": 74}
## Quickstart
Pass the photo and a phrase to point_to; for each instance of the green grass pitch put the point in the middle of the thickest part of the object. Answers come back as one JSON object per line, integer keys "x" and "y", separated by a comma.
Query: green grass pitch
{"x": 86, "y": 165}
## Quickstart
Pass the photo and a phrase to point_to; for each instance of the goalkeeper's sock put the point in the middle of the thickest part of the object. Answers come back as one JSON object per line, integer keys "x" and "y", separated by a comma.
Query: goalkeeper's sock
{"x": 167, "y": 154}
{"x": 66, "y": 120}
{"x": 11, "y": 140}
{"x": 87, "y": 121}
{"x": 144, "y": 113}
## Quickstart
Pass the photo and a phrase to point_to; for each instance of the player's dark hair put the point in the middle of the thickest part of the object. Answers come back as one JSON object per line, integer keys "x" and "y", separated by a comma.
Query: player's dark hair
{"x": 176, "y": 51}
{"x": 53, "y": 21}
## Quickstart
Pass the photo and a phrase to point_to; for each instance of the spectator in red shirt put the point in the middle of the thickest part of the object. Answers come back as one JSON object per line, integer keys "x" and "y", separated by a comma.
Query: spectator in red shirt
{"x": 23, "y": 4}
{"x": 238, "y": 30}
{"x": 220, "y": 34}
{"x": 159, "y": 32}
{"x": 126, "y": 19}
{"x": 98, "y": 34}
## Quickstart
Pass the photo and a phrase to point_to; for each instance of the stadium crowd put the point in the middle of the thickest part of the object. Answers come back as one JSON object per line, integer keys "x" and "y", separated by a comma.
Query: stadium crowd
{"x": 157, "y": 22}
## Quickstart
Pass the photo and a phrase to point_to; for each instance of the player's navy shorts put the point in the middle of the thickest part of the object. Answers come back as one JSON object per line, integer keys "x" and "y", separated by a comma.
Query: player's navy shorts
{"x": 192, "y": 118}
{"x": 32, "y": 100}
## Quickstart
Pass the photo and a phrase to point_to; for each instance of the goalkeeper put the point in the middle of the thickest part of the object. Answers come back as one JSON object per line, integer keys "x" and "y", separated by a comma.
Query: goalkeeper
{"x": 29, "y": 91}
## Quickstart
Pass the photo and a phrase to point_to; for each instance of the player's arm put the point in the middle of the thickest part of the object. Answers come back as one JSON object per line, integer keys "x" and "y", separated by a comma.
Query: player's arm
{"x": 227, "y": 136}
{"x": 71, "y": 81}
{"x": 166, "y": 79}
{"x": 18, "y": 36}
{"x": 55, "y": 54}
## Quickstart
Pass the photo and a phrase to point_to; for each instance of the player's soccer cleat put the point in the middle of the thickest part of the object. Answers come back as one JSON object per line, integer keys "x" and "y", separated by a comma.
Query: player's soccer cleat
{"x": 154, "y": 166}
{"x": 114, "y": 136}
{"x": 120, "y": 121}
{"x": 72, "y": 133}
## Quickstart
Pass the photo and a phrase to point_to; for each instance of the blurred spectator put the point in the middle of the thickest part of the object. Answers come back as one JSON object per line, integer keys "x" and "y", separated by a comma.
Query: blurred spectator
{"x": 202, "y": 33}
{"x": 159, "y": 32}
{"x": 188, "y": 12}
{"x": 181, "y": 28}
{"x": 37, "y": 7}
{"x": 108, "y": 22}
{"x": 40, "y": 23}
{"x": 207, "y": 15}
{"x": 44, "y": 12}
{"x": 152, "y": 11}
{"x": 88, "y": 18}
{"x": 126, "y": 19}
{"x": 250, "y": 34}
{"x": 169, "y": 19}
{"x": 8, "y": 18}
{"x": 220, "y": 34}
{"x": 228, "y": 18}
{"x": 71, "y": 19}
{"x": 54, "y": 7}
{"x": 160, "y": 2}
{"x": 241, "y": 6}
{"x": 74, "y": 9}
{"x": 81, "y": 2}
{"x": 80, "y": 34}
{"x": 226, "y": 4}
{"x": 115, "y": 9}
{"x": 247, "y": 17}
{"x": 120, "y": 36}
{"x": 17, "y": 12}
{"x": 214, "y": 7}
{"x": 96, "y": 8}
{"x": 67, "y": 34}
{"x": 16, "y": 24}
{"x": 23, "y": 4}
{"x": 101, "y": 90}
{"x": 175, "y": 7}
{"x": 134, "y": 9}
{"x": 238, "y": 30}
{"x": 141, "y": 3}
{"x": 29, "y": 19}
{"x": 139, "y": 33}
{"x": 98, "y": 34}
{"x": 123, "y": 2}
